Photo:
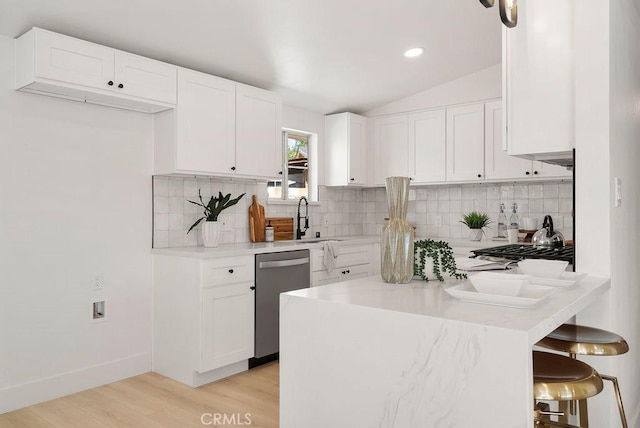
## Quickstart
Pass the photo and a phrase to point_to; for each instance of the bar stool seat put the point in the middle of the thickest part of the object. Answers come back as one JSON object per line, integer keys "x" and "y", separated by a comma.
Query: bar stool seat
{"x": 583, "y": 340}
{"x": 560, "y": 378}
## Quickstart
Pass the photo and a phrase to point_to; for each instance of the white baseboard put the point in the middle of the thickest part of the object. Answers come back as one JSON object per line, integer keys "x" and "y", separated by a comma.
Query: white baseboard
{"x": 30, "y": 393}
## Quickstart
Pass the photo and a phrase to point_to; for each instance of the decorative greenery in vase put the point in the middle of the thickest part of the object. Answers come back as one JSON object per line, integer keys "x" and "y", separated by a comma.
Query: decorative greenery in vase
{"x": 215, "y": 206}
{"x": 442, "y": 256}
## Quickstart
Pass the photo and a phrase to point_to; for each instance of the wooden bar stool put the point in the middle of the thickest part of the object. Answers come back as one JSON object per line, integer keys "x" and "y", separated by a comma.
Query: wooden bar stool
{"x": 562, "y": 379}
{"x": 582, "y": 340}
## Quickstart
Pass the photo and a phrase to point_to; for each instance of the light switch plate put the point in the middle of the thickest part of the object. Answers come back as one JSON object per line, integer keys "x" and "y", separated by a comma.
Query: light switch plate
{"x": 618, "y": 191}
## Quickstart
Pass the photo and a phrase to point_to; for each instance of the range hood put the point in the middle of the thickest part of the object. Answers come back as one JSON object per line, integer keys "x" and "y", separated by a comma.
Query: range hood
{"x": 565, "y": 159}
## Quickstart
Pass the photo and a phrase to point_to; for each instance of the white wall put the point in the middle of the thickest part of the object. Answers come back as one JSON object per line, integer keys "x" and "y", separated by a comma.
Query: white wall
{"x": 75, "y": 186}
{"x": 483, "y": 85}
{"x": 625, "y": 220}
{"x": 607, "y": 135}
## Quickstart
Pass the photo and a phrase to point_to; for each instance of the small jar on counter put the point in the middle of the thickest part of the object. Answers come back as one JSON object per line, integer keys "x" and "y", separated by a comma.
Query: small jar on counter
{"x": 268, "y": 233}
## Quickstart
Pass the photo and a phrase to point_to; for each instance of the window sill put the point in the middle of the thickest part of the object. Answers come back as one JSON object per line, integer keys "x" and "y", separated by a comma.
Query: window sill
{"x": 289, "y": 202}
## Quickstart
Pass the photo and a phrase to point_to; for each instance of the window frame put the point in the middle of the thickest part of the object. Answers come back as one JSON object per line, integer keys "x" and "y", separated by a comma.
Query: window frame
{"x": 311, "y": 140}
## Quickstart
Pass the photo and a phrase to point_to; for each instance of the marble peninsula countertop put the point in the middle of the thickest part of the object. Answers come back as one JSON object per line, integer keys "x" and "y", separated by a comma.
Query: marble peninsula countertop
{"x": 373, "y": 354}
{"x": 429, "y": 299}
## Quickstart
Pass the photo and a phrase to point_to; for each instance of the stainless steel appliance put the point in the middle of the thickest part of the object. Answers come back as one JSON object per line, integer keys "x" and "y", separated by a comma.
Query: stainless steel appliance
{"x": 275, "y": 273}
{"x": 547, "y": 237}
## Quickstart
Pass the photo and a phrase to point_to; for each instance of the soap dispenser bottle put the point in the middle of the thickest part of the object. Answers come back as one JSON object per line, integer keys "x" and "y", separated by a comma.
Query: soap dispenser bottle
{"x": 268, "y": 232}
{"x": 502, "y": 222}
{"x": 514, "y": 221}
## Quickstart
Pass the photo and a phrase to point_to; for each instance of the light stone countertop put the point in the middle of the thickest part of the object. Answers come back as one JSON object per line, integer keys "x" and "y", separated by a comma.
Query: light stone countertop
{"x": 251, "y": 248}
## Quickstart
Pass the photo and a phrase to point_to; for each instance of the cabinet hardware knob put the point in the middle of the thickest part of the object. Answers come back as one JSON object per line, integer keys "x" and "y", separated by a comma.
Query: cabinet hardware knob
{"x": 230, "y": 270}
{"x": 344, "y": 272}
{"x": 348, "y": 271}
{"x": 120, "y": 86}
{"x": 410, "y": 178}
{"x": 535, "y": 172}
{"x": 233, "y": 168}
{"x": 527, "y": 173}
{"x": 280, "y": 173}
{"x": 252, "y": 288}
{"x": 352, "y": 179}
{"x": 479, "y": 175}
{"x": 110, "y": 83}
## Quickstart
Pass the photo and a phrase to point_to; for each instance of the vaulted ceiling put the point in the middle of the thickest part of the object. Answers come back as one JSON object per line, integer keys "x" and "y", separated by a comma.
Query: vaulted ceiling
{"x": 324, "y": 55}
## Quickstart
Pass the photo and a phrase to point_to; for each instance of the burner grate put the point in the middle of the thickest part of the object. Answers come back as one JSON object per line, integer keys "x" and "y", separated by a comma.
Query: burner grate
{"x": 519, "y": 252}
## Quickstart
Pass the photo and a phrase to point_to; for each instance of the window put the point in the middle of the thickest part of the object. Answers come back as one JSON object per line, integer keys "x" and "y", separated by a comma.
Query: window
{"x": 296, "y": 168}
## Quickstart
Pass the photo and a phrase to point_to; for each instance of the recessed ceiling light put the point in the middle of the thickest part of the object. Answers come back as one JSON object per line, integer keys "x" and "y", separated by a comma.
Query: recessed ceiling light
{"x": 414, "y": 52}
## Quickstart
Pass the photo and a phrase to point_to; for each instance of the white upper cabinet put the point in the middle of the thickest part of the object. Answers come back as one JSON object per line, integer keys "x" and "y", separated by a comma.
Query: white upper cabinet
{"x": 145, "y": 78}
{"x": 391, "y": 153}
{"x": 539, "y": 81}
{"x": 345, "y": 139}
{"x": 205, "y": 130}
{"x": 427, "y": 146}
{"x": 465, "y": 143}
{"x": 258, "y": 132}
{"x": 498, "y": 164}
{"x": 219, "y": 128}
{"x": 53, "y": 64}
{"x": 501, "y": 166}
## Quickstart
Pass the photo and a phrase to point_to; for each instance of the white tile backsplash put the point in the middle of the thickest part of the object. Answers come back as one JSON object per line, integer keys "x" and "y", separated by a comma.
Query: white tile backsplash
{"x": 350, "y": 211}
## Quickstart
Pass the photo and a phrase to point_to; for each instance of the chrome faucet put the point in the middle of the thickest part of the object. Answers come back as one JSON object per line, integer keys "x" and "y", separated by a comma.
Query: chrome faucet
{"x": 299, "y": 232}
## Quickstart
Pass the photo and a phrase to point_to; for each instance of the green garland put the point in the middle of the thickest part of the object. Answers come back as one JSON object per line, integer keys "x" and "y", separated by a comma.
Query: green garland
{"x": 442, "y": 256}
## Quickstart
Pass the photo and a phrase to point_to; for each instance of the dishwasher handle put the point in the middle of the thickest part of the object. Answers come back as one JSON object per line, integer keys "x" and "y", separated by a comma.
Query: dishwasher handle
{"x": 284, "y": 263}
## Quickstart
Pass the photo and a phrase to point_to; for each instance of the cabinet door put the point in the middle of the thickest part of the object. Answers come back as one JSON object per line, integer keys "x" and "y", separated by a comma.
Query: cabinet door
{"x": 390, "y": 145}
{"x": 145, "y": 78}
{"x": 357, "y": 138}
{"x": 539, "y": 78}
{"x": 205, "y": 123}
{"x": 345, "y": 135}
{"x": 498, "y": 164}
{"x": 465, "y": 143}
{"x": 258, "y": 132}
{"x": 226, "y": 325}
{"x": 73, "y": 61}
{"x": 427, "y": 146}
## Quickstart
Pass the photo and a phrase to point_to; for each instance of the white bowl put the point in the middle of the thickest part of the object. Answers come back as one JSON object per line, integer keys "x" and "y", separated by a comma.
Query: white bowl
{"x": 499, "y": 283}
{"x": 543, "y": 268}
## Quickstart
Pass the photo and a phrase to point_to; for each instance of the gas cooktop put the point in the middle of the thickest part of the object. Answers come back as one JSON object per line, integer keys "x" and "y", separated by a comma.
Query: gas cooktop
{"x": 520, "y": 252}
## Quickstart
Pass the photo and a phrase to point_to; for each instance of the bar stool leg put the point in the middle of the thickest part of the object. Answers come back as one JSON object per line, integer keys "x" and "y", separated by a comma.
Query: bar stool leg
{"x": 616, "y": 387}
{"x": 563, "y": 406}
{"x": 584, "y": 413}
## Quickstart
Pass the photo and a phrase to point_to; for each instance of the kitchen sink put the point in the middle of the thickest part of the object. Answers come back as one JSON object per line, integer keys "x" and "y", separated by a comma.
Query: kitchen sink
{"x": 313, "y": 240}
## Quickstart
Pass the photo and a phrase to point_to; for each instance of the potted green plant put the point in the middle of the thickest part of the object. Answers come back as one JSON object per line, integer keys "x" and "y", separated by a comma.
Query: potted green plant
{"x": 434, "y": 257}
{"x": 476, "y": 221}
{"x": 211, "y": 228}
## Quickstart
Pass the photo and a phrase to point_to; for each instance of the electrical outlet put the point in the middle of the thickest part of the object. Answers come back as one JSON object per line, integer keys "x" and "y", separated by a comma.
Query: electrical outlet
{"x": 438, "y": 220}
{"x": 98, "y": 282}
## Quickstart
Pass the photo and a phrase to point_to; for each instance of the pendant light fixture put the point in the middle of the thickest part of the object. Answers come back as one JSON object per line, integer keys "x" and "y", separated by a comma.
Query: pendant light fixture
{"x": 508, "y": 11}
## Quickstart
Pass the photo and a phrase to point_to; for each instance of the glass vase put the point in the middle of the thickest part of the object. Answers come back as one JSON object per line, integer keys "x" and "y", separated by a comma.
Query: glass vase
{"x": 396, "y": 244}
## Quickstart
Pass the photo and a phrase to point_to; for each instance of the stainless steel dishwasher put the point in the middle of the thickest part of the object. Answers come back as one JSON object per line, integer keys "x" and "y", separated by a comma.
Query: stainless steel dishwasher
{"x": 275, "y": 273}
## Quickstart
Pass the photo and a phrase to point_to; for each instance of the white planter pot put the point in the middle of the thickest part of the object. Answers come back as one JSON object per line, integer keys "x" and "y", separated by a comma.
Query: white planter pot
{"x": 210, "y": 233}
{"x": 475, "y": 234}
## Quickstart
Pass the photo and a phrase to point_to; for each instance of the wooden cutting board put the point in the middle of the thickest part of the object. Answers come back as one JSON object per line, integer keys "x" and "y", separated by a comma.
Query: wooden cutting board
{"x": 256, "y": 221}
{"x": 282, "y": 227}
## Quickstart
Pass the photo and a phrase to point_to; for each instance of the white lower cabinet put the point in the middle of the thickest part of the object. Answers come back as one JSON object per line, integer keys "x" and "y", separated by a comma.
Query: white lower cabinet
{"x": 353, "y": 262}
{"x": 203, "y": 317}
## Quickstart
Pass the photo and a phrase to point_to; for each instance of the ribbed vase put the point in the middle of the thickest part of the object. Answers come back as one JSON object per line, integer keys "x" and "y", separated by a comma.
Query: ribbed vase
{"x": 396, "y": 244}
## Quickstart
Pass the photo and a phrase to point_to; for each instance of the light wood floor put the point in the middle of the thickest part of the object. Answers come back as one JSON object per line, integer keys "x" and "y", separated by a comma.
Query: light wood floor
{"x": 152, "y": 400}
